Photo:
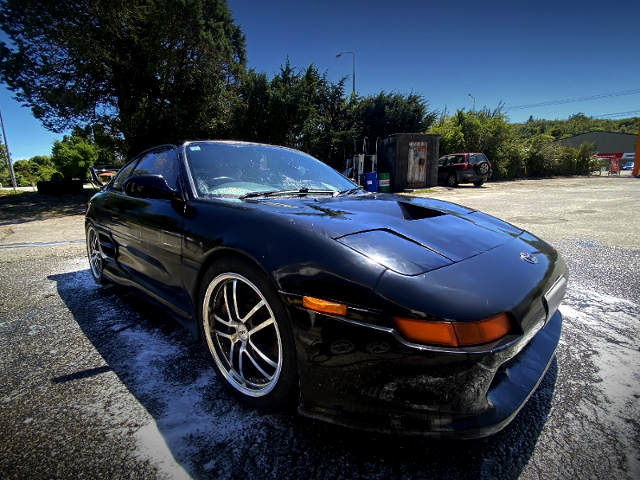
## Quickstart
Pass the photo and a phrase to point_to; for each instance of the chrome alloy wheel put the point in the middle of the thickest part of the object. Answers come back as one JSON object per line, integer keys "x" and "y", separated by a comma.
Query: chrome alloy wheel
{"x": 95, "y": 254}
{"x": 242, "y": 334}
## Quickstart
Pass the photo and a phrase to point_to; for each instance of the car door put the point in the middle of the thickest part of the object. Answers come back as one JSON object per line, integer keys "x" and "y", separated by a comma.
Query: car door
{"x": 443, "y": 168}
{"x": 106, "y": 210}
{"x": 149, "y": 232}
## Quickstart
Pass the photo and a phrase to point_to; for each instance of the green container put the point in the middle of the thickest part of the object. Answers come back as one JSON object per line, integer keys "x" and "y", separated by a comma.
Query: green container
{"x": 384, "y": 184}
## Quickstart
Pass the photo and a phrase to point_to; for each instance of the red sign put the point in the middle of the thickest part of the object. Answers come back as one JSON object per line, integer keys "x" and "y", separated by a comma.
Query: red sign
{"x": 615, "y": 166}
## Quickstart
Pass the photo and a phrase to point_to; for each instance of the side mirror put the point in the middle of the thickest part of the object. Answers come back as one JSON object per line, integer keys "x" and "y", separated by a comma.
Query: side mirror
{"x": 148, "y": 186}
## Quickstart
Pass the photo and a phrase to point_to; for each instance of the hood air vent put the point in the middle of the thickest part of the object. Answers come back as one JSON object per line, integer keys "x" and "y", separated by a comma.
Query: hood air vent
{"x": 416, "y": 212}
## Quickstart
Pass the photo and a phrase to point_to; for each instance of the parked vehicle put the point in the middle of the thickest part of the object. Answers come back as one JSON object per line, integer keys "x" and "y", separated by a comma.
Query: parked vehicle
{"x": 628, "y": 166}
{"x": 375, "y": 311}
{"x": 464, "y": 168}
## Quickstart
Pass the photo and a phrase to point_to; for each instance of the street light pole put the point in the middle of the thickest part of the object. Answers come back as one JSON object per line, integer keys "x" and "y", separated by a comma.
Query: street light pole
{"x": 474, "y": 101}
{"x": 354, "y": 68}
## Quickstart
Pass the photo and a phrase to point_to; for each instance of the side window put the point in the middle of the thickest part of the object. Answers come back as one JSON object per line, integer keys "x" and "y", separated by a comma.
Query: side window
{"x": 123, "y": 174}
{"x": 459, "y": 159}
{"x": 442, "y": 161}
{"x": 161, "y": 162}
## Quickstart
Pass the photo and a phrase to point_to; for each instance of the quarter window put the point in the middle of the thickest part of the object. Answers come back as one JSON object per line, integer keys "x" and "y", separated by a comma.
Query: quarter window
{"x": 479, "y": 158}
{"x": 123, "y": 174}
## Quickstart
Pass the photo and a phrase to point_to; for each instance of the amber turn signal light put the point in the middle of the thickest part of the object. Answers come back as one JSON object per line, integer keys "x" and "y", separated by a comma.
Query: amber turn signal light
{"x": 482, "y": 331}
{"x": 324, "y": 306}
{"x": 454, "y": 334}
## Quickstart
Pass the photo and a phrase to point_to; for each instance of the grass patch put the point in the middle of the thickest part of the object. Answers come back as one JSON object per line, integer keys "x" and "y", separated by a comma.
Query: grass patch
{"x": 4, "y": 192}
{"x": 425, "y": 190}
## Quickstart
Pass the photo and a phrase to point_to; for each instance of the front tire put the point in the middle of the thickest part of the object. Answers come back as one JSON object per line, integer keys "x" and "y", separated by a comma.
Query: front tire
{"x": 246, "y": 331}
{"x": 94, "y": 252}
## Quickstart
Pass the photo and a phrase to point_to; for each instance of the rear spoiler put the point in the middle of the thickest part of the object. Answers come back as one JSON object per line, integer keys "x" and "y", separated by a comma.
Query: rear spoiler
{"x": 105, "y": 171}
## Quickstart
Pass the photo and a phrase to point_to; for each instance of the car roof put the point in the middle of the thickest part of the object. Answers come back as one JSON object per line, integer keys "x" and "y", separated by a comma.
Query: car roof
{"x": 465, "y": 153}
{"x": 239, "y": 142}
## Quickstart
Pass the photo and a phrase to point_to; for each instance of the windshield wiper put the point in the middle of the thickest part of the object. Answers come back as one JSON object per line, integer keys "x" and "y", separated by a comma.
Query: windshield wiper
{"x": 350, "y": 191}
{"x": 300, "y": 191}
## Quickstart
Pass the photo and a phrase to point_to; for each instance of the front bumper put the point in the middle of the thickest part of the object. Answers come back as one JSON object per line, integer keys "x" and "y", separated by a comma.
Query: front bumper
{"x": 364, "y": 376}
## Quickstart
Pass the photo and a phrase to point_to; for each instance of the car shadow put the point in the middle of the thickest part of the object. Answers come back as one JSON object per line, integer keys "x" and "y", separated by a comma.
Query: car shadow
{"x": 212, "y": 436}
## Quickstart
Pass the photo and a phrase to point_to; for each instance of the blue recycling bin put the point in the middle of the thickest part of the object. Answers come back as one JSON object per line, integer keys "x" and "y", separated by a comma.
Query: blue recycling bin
{"x": 371, "y": 182}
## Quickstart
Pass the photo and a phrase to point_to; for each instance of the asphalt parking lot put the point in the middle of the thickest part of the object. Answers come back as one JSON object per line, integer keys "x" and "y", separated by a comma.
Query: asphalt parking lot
{"x": 97, "y": 383}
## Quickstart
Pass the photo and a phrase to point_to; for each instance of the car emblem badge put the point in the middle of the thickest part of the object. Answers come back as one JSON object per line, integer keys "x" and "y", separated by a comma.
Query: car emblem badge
{"x": 527, "y": 257}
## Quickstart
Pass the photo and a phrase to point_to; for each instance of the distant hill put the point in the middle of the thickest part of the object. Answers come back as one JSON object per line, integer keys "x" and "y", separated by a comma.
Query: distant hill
{"x": 575, "y": 125}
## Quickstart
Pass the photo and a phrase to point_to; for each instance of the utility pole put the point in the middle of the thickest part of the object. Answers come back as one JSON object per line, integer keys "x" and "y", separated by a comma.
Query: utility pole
{"x": 636, "y": 161}
{"x": 6, "y": 147}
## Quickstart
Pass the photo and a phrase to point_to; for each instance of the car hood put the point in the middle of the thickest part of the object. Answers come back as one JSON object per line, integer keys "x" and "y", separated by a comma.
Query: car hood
{"x": 403, "y": 226}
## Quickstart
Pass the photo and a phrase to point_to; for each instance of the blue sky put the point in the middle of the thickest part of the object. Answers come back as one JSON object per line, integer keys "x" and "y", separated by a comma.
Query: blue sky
{"x": 498, "y": 51}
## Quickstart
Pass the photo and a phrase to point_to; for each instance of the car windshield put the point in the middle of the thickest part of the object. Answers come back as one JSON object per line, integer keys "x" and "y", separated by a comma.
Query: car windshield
{"x": 250, "y": 170}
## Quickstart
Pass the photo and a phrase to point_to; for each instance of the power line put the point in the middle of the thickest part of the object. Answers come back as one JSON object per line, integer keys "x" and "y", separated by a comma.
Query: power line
{"x": 572, "y": 100}
{"x": 620, "y": 114}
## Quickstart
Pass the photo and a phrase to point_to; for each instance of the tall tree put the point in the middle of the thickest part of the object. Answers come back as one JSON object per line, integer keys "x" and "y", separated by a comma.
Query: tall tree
{"x": 73, "y": 156}
{"x": 24, "y": 174}
{"x": 388, "y": 113}
{"x": 146, "y": 71}
{"x": 42, "y": 168}
{"x": 297, "y": 108}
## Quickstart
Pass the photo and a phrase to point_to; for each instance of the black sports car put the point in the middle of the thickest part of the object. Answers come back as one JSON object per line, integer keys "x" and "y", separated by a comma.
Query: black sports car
{"x": 375, "y": 311}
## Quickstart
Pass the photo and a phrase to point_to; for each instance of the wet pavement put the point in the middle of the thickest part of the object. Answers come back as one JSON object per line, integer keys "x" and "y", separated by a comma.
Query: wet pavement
{"x": 97, "y": 383}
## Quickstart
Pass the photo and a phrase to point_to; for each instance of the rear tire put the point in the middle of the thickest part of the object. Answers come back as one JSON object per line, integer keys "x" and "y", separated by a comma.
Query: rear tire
{"x": 247, "y": 333}
{"x": 452, "y": 180}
